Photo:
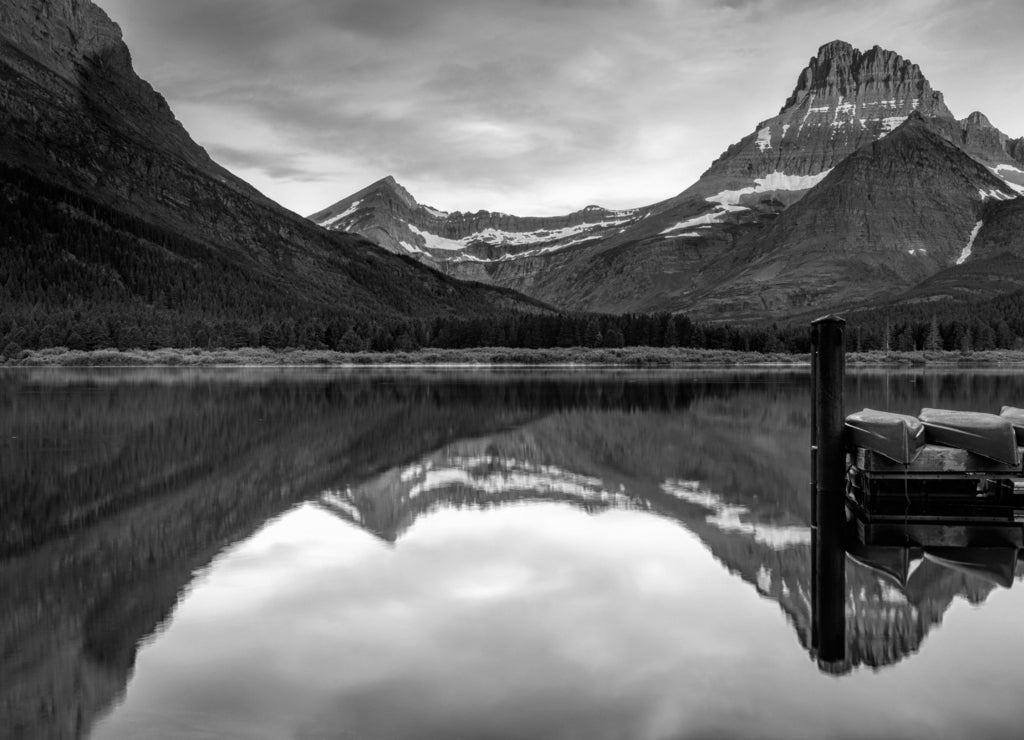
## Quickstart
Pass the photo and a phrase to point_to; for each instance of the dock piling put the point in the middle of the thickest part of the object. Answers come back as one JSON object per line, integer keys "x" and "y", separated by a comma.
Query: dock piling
{"x": 828, "y": 508}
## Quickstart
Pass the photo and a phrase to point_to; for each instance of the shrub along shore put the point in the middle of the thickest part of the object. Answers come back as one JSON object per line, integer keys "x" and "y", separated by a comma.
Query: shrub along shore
{"x": 495, "y": 356}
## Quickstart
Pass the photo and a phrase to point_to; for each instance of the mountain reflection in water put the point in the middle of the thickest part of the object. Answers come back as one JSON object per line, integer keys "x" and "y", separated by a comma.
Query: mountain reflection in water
{"x": 129, "y": 496}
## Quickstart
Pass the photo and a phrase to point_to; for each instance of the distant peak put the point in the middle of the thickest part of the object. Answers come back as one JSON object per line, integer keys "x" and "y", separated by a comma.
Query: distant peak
{"x": 391, "y": 185}
{"x": 835, "y": 48}
{"x": 840, "y": 73}
{"x": 977, "y": 118}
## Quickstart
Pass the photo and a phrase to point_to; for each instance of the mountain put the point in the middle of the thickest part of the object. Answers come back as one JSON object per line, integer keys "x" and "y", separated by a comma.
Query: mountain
{"x": 389, "y": 215}
{"x": 887, "y": 217}
{"x": 728, "y": 246}
{"x": 110, "y": 209}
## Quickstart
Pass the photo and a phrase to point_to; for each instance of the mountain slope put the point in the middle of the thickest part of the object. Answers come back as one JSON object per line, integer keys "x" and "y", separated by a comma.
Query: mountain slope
{"x": 687, "y": 252}
{"x": 95, "y": 148}
{"x": 389, "y": 215}
{"x": 892, "y": 214}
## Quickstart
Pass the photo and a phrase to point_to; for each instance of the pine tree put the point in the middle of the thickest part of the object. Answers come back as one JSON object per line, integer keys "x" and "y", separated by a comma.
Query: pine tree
{"x": 964, "y": 343}
{"x": 351, "y": 342}
{"x": 566, "y": 336}
{"x": 672, "y": 333}
{"x": 934, "y": 341}
{"x": 613, "y": 338}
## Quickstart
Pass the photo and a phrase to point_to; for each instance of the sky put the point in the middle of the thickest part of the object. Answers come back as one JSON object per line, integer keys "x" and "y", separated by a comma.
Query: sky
{"x": 532, "y": 107}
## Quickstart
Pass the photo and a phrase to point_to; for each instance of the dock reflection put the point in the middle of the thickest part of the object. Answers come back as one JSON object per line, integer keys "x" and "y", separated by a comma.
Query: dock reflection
{"x": 878, "y": 602}
{"x": 119, "y": 494}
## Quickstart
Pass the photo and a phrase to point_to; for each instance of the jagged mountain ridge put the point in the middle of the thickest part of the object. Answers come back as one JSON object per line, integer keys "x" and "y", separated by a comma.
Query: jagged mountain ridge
{"x": 680, "y": 254}
{"x": 77, "y": 119}
{"x": 389, "y": 215}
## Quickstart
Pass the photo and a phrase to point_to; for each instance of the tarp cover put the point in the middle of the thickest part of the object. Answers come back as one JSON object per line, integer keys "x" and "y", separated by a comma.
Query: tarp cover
{"x": 983, "y": 434}
{"x": 896, "y": 436}
{"x": 1016, "y": 417}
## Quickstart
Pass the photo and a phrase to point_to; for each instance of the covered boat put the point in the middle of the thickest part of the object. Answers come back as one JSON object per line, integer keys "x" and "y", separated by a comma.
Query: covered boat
{"x": 1016, "y": 417}
{"x": 894, "y": 563}
{"x": 983, "y": 434}
{"x": 996, "y": 565}
{"x": 896, "y": 436}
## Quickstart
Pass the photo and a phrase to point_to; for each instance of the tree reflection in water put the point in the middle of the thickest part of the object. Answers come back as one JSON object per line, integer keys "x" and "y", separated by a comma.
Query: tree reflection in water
{"x": 119, "y": 487}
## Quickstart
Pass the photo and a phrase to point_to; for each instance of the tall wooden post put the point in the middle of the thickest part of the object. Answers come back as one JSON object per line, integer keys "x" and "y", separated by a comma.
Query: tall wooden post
{"x": 828, "y": 508}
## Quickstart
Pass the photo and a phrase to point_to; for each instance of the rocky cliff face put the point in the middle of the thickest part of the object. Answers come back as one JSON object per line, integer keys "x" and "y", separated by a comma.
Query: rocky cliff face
{"x": 74, "y": 114}
{"x": 892, "y": 214}
{"x": 715, "y": 250}
{"x": 843, "y": 100}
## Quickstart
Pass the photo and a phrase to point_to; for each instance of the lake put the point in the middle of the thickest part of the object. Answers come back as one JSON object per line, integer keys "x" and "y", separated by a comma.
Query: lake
{"x": 464, "y": 554}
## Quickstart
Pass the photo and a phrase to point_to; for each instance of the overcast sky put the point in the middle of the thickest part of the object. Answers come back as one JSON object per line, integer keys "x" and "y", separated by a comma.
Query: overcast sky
{"x": 531, "y": 107}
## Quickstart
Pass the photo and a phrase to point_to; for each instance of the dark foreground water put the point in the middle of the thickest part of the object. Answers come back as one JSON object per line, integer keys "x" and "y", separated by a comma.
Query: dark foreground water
{"x": 304, "y": 554}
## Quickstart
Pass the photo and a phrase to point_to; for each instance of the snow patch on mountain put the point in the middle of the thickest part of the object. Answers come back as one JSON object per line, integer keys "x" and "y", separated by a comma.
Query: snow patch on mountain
{"x": 890, "y": 124}
{"x": 433, "y": 241}
{"x": 1009, "y": 168}
{"x": 730, "y": 518}
{"x": 764, "y": 139}
{"x": 335, "y": 219}
{"x": 770, "y": 182}
{"x": 494, "y": 476}
{"x": 342, "y": 501}
{"x": 728, "y": 201}
{"x": 500, "y": 238}
{"x": 994, "y": 194}
{"x": 713, "y": 217}
{"x": 970, "y": 244}
{"x": 529, "y": 253}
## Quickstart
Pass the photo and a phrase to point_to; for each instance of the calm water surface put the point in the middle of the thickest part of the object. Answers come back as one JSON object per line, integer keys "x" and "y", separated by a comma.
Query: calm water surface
{"x": 308, "y": 554}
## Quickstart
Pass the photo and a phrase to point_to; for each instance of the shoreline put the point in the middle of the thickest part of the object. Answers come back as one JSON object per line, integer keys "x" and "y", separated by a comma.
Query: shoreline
{"x": 498, "y": 357}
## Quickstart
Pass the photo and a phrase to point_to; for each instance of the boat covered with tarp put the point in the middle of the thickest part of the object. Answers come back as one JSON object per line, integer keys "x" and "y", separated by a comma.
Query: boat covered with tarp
{"x": 987, "y": 435}
{"x": 898, "y": 437}
{"x": 1015, "y": 417}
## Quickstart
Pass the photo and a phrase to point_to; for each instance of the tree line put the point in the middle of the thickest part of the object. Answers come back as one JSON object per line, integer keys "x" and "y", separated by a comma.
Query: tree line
{"x": 76, "y": 274}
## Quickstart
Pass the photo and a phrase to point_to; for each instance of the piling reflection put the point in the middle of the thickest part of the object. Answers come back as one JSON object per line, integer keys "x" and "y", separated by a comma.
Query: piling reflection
{"x": 118, "y": 489}
{"x": 893, "y": 597}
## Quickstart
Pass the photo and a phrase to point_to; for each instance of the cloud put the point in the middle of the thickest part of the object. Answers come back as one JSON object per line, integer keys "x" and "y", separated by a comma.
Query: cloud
{"x": 528, "y": 106}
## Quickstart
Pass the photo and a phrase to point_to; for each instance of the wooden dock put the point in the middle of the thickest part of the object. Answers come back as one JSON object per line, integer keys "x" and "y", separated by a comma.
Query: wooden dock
{"x": 963, "y": 509}
{"x": 946, "y": 497}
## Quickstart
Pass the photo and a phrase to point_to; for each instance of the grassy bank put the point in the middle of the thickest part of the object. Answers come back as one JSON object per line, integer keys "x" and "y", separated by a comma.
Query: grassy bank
{"x": 628, "y": 356}
{"x": 624, "y": 357}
